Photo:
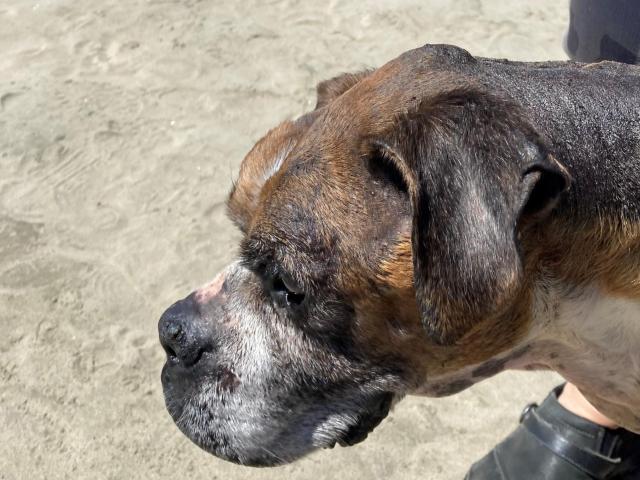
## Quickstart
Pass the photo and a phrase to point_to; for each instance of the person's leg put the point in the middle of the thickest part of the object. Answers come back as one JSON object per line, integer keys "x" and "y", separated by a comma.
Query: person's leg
{"x": 576, "y": 403}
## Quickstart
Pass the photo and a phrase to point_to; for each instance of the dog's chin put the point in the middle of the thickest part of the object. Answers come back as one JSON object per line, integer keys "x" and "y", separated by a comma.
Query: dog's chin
{"x": 352, "y": 433}
{"x": 227, "y": 438}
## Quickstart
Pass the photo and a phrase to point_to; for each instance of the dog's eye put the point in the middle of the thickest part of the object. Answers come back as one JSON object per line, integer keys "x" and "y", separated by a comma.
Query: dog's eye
{"x": 383, "y": 169}
{"x": 285, "y": 292}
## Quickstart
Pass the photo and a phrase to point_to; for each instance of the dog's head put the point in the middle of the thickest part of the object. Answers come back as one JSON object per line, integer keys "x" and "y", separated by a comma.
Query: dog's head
{"x": 395, "y": 206}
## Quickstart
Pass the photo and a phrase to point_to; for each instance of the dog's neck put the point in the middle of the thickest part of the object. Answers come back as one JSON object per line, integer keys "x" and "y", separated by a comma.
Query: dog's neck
{"x": 591, "y": 117}
{"x": 579, "y": 315}
{"x": 591, "y": 338}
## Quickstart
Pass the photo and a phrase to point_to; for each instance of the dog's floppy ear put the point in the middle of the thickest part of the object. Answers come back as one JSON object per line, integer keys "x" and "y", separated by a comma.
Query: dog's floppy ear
{"x": 332, "y": 88}
{"x": 477, "y": 171}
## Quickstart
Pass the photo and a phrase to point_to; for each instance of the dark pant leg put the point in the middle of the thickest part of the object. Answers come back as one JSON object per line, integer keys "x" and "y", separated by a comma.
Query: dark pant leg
{"x": 604, "y": 30}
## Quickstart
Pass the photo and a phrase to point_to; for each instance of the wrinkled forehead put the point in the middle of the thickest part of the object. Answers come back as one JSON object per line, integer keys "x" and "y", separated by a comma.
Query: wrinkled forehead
{"x": 295, "y": 172}
{"x": 325, "y": 209}
{"x": 263, "y": 161}
{"x": 297, "y": 207}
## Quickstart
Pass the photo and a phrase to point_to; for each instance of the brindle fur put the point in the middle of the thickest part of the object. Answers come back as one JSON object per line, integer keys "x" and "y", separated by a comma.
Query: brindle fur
{"x": 519, "y": 190}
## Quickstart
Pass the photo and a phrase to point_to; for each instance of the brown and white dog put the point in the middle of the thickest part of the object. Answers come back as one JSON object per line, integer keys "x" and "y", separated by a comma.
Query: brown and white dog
{"x": 430, "y": 224}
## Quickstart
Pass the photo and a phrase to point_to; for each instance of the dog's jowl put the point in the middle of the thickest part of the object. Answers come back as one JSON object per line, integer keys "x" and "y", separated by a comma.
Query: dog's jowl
{"x": 431, "y": 223}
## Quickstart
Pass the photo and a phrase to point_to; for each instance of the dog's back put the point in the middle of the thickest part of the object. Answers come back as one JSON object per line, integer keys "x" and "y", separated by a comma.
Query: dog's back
{"x": 591, "y": 116}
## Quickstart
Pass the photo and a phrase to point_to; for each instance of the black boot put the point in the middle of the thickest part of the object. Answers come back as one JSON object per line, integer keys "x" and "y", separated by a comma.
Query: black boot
{"x": 552, "y": 443}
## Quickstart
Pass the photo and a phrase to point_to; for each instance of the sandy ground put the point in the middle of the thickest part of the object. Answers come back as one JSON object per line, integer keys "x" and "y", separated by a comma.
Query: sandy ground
{"x": 122, "y": 124}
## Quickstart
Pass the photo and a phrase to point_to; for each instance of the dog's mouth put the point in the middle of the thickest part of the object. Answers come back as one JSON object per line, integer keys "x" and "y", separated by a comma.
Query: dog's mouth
{"x": 216, "y": 426}
{"x": 367, "y": 421}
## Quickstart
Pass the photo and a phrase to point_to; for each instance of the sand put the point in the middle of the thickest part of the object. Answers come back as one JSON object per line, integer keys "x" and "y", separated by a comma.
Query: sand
{"x": 122, "y": 125}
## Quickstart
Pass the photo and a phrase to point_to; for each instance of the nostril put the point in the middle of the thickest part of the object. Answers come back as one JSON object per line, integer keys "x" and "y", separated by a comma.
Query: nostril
{"x": 174, "y": 331}
{"x": 171, "y": 354}
{"x": 171, "y": 333}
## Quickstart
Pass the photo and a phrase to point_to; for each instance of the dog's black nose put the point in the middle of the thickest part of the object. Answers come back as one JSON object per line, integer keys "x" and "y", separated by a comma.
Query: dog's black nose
{"x": 182, "y": 334}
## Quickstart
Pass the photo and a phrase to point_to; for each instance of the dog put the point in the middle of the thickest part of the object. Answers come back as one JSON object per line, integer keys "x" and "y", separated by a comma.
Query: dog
{"x": 429, "y": 224}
